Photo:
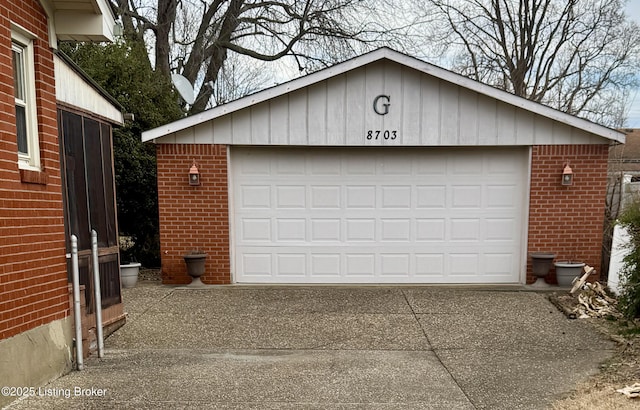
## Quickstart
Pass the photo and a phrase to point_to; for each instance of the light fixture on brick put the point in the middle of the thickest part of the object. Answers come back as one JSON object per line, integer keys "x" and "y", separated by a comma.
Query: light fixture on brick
{"x": 567, "y": 175}
{"x": 194, "y": 174}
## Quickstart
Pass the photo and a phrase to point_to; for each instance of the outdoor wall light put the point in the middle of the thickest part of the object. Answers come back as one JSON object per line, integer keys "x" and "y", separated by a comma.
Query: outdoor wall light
{"x": 567, "y": 175}
{"x": 194, "y": 174}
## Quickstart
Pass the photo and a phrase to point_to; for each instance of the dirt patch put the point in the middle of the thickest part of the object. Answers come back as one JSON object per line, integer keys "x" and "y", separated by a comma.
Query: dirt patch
{"x": 150, "y": 274}
{"x": 623, "y": 369}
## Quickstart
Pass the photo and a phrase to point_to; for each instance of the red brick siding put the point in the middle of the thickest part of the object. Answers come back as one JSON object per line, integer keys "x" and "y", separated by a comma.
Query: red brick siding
{"x": 193, "y": 217}
{"x": 567, "y": 220}
{"x": 33, "y": 275}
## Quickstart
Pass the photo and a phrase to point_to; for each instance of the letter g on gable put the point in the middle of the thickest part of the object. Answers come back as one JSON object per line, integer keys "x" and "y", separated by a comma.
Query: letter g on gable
{"x": 381, "y": 104}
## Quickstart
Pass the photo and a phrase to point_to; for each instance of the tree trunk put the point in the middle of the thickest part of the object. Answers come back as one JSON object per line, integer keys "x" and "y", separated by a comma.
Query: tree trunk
{"x": 166, "y": 17}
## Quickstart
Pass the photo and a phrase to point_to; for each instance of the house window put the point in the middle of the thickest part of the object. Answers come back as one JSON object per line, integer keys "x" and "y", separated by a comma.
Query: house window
{"x": 25, "y": 101}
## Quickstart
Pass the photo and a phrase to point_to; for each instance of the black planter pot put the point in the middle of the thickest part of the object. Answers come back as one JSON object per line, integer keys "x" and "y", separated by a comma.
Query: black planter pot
{"x": 195, "y": 266}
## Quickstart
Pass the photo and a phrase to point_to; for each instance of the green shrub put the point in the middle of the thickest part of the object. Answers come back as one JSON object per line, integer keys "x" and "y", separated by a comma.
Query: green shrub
{"x": 629, "y": 303}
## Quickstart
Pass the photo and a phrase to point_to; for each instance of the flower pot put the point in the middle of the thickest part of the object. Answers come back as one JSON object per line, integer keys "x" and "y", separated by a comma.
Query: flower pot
{"x": 567, "y": 271}
{"x": 129, "y": 274}
{"x": 541, "y": 265}
{"x": 195, "y": 266}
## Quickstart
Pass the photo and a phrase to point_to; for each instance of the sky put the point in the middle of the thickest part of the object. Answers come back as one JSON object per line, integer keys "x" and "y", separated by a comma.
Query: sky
{"x": 633, "y": 121}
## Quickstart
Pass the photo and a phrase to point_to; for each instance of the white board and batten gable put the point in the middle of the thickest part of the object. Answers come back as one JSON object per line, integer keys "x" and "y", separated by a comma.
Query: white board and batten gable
{"x": 383, "y": 98}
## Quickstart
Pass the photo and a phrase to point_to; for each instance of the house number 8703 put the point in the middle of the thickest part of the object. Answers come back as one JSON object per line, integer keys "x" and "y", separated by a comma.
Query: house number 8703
{"x": 382, "y": 134}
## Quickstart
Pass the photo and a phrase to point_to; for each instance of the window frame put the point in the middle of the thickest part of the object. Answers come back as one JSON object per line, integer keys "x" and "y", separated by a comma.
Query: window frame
{"x": 22, "y": 42}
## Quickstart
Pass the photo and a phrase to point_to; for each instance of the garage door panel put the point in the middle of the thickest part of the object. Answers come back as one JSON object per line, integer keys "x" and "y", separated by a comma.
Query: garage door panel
{"x": 326, "y": 265}
{"x": 463, "y": 264}
{"x": 466, "y": 196}
{"x": 377, "y": 216}
{"x": 290, "y": 166}
{"x": 291, "y": 264}
{"x": 395, "y": 229}
{"x": 323, "y": 166}
{"x": 360, "y": 197}
{"x": 254, "y": 197}
{"x": 256, "y": 264}
{"x": 395, "y": 264}
{"x": 291, "y": 196}
{"x": 256, "y": 166}
{"x": 431, "y": 196}
{"x": 502, "y": 196}
{"x": 467, "y": 164}
{"x": 360, "y": 165}
{"x": 396, "y": 197}
{"x": 256, "y": 229}
{"x": 361, "y": 229}
{"x": 429, "y": 265}
{"x": 467, "y": 229}
{"x": 432, "y": 229}
{"x": 323, "y": 230}
{"x": 433, "y": 167}
{"x": 395, "y": 168}
{"x": 500, "y": 263}
{"x": 291, "y": 229}
{"x": 360, "y": 264}
{"x": 326, "y": 197}
{"x": 500, "y": 229}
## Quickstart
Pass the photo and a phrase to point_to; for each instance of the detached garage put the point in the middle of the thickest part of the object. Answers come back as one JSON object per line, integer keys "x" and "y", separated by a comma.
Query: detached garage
{"x": 382, "y": 169}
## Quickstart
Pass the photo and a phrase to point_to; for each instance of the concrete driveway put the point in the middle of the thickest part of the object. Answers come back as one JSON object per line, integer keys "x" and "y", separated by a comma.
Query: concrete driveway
{"x": 240, "y": 347}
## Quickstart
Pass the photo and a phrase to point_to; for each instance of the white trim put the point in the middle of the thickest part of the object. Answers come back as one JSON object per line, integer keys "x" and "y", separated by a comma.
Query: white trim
{"x": 380, "y": 54}
{"x": 22, "y": 42}
{"x": 525, "y": 220}
{"x": 76, "y": 91}
{"x": 51, "y": 27}
{"x": 231, "y": 216}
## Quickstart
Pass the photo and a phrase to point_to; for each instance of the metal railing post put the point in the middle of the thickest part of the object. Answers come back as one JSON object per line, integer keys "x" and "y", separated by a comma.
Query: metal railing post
{"x": 75, "y": 274}
{"x": 97, "y": 293}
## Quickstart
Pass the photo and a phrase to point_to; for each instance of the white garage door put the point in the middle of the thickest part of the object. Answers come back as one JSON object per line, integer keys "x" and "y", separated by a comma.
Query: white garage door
{"x": 376, "y": 215}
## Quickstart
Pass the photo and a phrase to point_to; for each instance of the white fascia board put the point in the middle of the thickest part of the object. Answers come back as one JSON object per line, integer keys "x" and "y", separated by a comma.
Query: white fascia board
{"x": 50, "y": 12}
{"x": 67, "y": 24}
{"x": 403, "y": 59}
{"x": 84, "y": 27}
{"x": 76, "y": 89}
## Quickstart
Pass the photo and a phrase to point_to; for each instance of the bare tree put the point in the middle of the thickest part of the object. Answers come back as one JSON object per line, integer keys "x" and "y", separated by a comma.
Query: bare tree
{"x": 579, "y": 56}
{"x": 196, "y": 37}
{"x": 241, "y": 76}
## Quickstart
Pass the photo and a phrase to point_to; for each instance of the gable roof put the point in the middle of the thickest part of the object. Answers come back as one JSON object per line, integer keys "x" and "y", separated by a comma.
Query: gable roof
{"x": 397, "y": 57}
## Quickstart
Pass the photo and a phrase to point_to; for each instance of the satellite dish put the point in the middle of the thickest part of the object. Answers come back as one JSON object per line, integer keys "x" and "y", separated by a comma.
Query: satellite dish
{"x": 184, "y": 87}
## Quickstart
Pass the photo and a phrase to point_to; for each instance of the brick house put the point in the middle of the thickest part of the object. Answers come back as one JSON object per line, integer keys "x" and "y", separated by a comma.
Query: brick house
{"x": 381, "y": 169}
{"x": 42, "y": 95}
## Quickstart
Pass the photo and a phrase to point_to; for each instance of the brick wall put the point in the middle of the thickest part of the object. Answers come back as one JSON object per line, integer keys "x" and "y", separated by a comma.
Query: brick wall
{"x": 567, "y": 220}
{"x": 193, "y": 217}
{"x": 33, "y": 276}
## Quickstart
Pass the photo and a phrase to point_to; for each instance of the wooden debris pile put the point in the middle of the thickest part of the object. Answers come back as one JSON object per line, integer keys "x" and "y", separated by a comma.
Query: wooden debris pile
{"x": 593, "y": 300}
{"x": 632, "y": 391}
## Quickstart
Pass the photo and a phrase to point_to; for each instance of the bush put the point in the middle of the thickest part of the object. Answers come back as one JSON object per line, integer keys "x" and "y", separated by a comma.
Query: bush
{"x": 629, "y": 303}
